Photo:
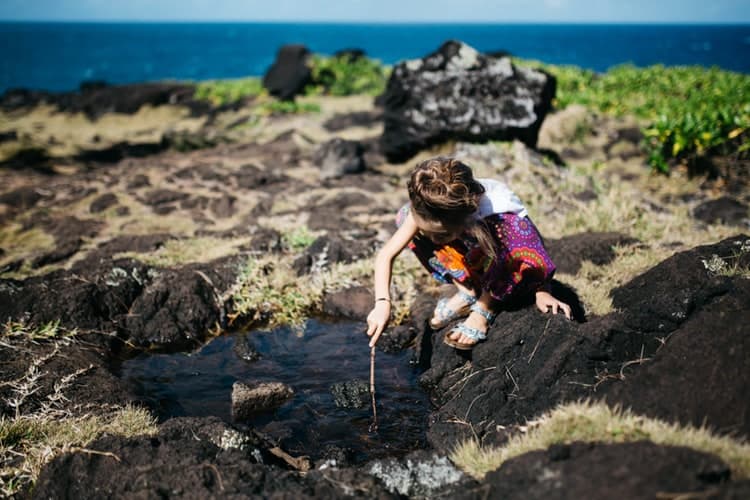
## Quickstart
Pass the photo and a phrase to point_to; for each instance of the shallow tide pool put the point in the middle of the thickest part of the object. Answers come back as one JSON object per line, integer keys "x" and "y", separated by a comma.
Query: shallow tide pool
{"x": 310, "y": 359}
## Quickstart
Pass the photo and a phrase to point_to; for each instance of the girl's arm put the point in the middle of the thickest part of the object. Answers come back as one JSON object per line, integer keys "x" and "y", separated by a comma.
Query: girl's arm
{"x": 381, "y": 313}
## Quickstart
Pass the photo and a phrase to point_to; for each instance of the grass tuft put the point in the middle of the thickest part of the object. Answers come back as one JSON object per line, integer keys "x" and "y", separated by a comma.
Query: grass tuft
{"x": 596, "y": 422}
{"x": 28, "y": 442}
{"x": 187, "y": 250}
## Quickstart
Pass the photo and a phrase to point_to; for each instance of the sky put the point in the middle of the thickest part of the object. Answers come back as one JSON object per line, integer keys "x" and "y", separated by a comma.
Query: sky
{"x": 542, "y": 11}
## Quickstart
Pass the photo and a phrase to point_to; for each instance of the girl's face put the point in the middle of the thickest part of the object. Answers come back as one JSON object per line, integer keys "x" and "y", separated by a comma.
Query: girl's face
{"x": 436, "y": 231}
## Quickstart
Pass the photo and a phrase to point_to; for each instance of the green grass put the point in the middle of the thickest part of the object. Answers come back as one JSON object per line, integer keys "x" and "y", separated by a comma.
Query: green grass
{"x": 221, "y": 92}
{"x": 275, "y": 107}
{"x": 343, "y": 75}
{"x": 687, "y": 109}
{"x": 298, "y": 238}
{"x": 269, "y": 292}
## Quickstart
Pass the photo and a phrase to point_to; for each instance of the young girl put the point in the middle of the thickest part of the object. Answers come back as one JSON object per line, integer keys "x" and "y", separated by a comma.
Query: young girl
{"x": 474, "y": 233}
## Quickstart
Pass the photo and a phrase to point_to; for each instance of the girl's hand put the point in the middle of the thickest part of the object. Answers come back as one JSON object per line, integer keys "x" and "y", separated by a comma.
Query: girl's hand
{"x": 545, "y": 300}
{"x": 377, "y": 320}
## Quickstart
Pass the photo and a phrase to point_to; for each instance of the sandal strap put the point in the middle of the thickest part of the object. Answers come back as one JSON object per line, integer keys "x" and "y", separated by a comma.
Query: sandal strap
{"x": 488, "y": 315}
{"x": 472, "y": 333}
{"x": 467, "y": 297}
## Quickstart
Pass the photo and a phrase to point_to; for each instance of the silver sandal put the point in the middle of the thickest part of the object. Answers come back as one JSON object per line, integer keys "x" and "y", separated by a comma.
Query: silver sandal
{"x": 445, "y": 315}
{"x": 472, "y": 333}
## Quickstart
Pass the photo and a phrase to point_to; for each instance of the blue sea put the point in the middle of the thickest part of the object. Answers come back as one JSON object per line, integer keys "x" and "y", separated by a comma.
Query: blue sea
{"x": 59, "y": 56}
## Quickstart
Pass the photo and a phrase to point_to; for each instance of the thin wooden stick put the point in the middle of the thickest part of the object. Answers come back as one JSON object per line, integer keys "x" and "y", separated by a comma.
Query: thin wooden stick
{"x": 374, "y": 424}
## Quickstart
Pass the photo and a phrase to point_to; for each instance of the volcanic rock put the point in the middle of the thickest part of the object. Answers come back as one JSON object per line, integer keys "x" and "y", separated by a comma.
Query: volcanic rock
{"x": 725, "y": 210}
{"x": 339, "y": 157}
{"x": 193, "y": 458}
{"x": 353, "y": 302}
{"x": 569, "y": 252}
{"x": 290, "y": 73}
{"x": 457, "y": 93}
{"x": 587, "y": 470}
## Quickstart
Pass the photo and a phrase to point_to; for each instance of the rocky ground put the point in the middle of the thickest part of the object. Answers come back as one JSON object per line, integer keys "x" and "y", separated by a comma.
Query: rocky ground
{"x": 123, "y": 238}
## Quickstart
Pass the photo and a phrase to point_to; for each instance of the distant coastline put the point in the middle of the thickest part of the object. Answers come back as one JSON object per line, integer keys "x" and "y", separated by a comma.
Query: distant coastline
{"x": 59, "y": 55}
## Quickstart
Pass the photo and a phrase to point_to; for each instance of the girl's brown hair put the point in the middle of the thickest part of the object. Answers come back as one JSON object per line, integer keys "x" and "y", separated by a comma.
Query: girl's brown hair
{"x": 444, "y": 190}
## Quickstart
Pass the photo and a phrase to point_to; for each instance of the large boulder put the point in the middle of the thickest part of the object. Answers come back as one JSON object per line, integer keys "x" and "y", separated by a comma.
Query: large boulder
{"x": 289, "y": 73}
{"x": 458, "y": 93}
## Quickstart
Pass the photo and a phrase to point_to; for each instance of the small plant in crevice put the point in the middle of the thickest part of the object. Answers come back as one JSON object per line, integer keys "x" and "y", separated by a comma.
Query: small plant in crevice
{"x": 298, "y": 238}
{"x": 735, "y": 264}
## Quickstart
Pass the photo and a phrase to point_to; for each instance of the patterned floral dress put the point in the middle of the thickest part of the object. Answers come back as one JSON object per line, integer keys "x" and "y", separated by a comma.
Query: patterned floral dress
{"x": 522, "y": 264}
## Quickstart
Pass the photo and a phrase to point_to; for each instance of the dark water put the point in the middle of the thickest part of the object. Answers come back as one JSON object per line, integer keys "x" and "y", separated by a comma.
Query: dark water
{"x": 58, "y": 56}
{"x": 309, "y": 359}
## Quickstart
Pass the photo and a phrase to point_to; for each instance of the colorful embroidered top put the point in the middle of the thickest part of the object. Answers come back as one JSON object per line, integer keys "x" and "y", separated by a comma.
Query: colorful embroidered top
{"x": 522, "y": 264}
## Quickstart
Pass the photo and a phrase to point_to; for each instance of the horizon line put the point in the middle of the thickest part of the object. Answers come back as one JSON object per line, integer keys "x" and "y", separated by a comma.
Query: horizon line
{"x": 381, "y": 22}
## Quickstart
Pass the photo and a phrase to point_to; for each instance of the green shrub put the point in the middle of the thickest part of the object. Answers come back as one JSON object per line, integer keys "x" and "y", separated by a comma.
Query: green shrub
{"x": 344, "y": 75}
{"x": 285, "y": 107}
{"x": 220, "y": 92}
{"x": 689, "y": 109}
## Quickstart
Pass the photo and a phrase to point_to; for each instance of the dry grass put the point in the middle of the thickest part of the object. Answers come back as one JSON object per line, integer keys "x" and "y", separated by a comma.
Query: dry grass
{"x": 189, "y": 250}
{"x": 42, "y": 423}
{"x": 28, "y": 442}
{"x": 268, "y": 289}
{"x": 596, "y": 422}
{"x": 68, "y": 133}
{"x": 19, "y": 243}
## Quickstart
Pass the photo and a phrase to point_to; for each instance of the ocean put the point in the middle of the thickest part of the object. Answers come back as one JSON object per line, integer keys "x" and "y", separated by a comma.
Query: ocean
{"x": 59, "y": 56}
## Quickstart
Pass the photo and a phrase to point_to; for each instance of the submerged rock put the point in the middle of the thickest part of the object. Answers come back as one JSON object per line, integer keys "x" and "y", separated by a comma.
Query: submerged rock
{"x": 251, "y": 398}
{"x": 351, "y": 394}
{"x": 458, "y": 93}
